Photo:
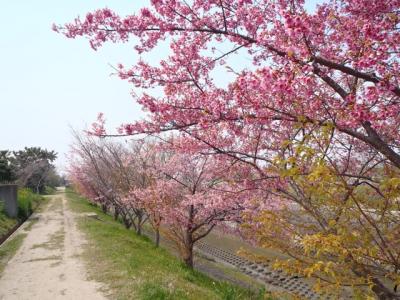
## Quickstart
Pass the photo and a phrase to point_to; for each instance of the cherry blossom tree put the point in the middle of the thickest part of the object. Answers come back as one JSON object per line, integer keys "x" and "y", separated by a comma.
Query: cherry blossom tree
{"x": 141, "y": 158}
{"x": 151, "y": 194}
{"x": 151, "y": 198}
{"x": 144, "y": 181}
{"x": 101, "y": 171}
{"x": 192, "y": 199}
{"x": 315, "y": 114}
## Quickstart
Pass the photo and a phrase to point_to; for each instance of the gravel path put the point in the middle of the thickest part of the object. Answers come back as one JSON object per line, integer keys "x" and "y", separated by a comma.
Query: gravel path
{"x": 48, "y": 264}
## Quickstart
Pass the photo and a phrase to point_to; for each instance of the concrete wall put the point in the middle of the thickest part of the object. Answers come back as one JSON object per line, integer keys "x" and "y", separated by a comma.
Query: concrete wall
{"x": 8, "y": 196}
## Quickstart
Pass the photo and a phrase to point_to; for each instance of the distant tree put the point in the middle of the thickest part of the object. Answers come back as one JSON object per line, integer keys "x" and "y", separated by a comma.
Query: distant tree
{"x": 6, "y": 172}
{"x": 33, "y": 167}
{"x": 33, "y": 154}
{"x": 53, "y": 179}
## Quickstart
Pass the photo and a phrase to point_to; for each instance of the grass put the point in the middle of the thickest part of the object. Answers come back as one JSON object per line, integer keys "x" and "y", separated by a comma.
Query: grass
{"x": 229, "y": 272}
{"x": 27, "y": 202}
{"x": 210, "y": 266}
{"x": 56, "y": 206}
{"x": 52, "y": 257}
{"x": 8, "y": 249}
{"x": 132, "y": 268}
{"x": 56, "y": 241}
{"x": 6, "y": 223}
{"x": 43, "y": 204}
{"x": 49, "y": 190}
{"x": 29, "y": 223}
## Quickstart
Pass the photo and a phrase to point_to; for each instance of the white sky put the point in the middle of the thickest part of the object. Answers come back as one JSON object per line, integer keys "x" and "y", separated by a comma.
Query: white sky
{"x": 49, "y": 82}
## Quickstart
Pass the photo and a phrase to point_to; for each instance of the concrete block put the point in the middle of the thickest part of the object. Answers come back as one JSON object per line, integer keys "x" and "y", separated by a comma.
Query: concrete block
{"x": 8, "y": 196}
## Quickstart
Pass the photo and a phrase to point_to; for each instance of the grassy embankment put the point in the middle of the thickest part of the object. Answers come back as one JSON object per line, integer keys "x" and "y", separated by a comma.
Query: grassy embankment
{"x": 132, "y": 268}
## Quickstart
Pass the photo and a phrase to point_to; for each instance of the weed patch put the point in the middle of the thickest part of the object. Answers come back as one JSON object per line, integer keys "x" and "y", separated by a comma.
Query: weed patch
{"x": 56, "y": 241}
{"x": 8, "y": 249}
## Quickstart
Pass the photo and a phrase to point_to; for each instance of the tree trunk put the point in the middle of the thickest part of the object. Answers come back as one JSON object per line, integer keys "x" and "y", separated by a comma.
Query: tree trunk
{"x": 188, "y": 240}
{"x": 188, "y": 256}
{"x": 38, "y": 186}
{"x": 126, "y": 222}
{"x": 139, "y": 225}
{"x": 157, "y": 241}
{"x": 116, "y": 214}
{"x": 104, "y": 208}
{"x": 188, "y": 250}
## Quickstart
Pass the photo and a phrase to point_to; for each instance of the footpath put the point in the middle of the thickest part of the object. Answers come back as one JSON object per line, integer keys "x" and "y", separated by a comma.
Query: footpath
{"x": 48, "y": 264}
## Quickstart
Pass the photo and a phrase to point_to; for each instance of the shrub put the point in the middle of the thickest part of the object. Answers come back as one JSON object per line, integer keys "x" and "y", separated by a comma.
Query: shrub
{"x": 48, "y": 190}
{"x": 6, "y": 223}
{"x": 27, "y": 201}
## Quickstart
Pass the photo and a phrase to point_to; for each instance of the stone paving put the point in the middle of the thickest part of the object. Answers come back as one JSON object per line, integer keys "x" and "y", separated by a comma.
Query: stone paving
{"x": 263, "y": 272}
{"x": 274, "y": 280}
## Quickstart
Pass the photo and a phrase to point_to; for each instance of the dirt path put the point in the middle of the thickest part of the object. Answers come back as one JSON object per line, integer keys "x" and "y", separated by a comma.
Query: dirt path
{"x": 48, "y": 264}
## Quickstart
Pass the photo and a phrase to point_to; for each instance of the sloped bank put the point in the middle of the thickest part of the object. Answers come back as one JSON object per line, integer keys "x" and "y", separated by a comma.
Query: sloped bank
{"x": 135, "y": 269}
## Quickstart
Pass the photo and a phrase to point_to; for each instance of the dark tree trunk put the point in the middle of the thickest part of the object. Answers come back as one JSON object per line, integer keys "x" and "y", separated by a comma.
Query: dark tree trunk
{"x": 188, "y": 251}
{"x": 188, "y": 256}
{"x": 188, "y": 240}
{"x": 104, "y": 208}
{"x": 157, "y": 241}
{"x": 139, "y": 225}
{"x": 127, "y": 222}
{"x": 116, "y": 214}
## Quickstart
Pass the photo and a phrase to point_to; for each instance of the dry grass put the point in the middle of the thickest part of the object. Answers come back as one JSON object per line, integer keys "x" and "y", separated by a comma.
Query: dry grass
{"x": 56, "y": 241}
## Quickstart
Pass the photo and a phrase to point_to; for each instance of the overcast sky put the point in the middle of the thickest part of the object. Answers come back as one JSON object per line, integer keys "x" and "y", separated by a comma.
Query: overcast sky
{"x": 49, "y": 83}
